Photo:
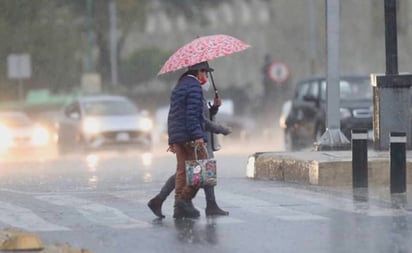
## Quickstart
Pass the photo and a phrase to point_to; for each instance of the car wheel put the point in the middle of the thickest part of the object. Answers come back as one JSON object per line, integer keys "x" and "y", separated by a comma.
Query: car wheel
{"x": 288, "y": 141}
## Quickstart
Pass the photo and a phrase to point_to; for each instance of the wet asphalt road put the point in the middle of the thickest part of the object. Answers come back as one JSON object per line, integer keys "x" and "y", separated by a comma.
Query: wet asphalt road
{"x": 99, "y": 201}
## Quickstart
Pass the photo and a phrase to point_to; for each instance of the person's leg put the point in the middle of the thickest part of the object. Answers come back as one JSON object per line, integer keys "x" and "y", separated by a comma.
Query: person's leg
{"x": 155, "y": 204}
{"x": 183, "y": 193}
{"x": 180, "y": 181}
{"x": 211, "y": 206}
{"x": 167, "y": 188}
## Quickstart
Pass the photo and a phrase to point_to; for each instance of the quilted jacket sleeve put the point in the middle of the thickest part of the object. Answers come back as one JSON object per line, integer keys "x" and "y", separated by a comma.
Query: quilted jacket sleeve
{"x": 194, "y": 111}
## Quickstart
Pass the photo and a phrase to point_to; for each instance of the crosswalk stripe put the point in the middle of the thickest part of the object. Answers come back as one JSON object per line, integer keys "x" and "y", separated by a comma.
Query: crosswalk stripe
{"x": 333, "y": 202}
{"x": 253, "y": 205}
{"x": 95, "y": 212}
{"x": 167, "y": 207}
{"x": 266, "y": 208}
{"x": 23, "y": 218}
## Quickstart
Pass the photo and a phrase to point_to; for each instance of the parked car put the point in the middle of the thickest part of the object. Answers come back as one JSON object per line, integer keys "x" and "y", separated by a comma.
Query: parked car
{"x": 18, "y": 132}
{"x": 306, "y": 115}
{"x": 93, "y": 122}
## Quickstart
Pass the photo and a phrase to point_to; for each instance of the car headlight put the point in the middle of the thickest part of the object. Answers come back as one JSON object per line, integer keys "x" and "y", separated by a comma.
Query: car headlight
{"x": 40, "y": 136}
{"x": 91, "y": 126}
{"x": 5, "y": 137}
{"x": 145, "y": 124}
{"x": 345, "y": 113}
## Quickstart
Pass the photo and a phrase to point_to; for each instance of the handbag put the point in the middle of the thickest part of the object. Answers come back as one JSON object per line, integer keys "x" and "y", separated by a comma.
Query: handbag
{"x": 201, "y": 172}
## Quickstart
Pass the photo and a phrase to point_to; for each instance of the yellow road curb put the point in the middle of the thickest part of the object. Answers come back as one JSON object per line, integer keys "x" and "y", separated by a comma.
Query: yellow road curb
{"x": 13, "y": 239}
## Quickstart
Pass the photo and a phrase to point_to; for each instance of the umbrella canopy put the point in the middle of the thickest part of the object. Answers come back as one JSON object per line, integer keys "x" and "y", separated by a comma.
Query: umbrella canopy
{"x": 202, "y": 49}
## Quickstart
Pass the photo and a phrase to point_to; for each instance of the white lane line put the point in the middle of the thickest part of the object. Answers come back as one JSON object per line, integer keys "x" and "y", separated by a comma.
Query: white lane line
{"x": 266, "y": 208}
{"x": 24, "y": 218}
{"x": 95, "y": 212}
{"x": 167, "y": 207}
{"x": 135, "y": 196}
{"x": 333, "y": 202}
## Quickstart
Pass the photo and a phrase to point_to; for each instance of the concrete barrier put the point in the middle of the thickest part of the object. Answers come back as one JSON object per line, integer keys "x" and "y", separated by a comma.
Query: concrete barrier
{"x": 323, "y": 168}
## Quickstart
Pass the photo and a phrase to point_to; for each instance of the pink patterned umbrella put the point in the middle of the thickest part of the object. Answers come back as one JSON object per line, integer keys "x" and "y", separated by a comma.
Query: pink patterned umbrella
{"x": 203, "y": 49}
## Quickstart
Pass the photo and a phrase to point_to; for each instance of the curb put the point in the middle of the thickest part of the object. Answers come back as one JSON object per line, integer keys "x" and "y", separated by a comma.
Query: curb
{"x": 12, "y": 239}
{"x": 318, "y": 168}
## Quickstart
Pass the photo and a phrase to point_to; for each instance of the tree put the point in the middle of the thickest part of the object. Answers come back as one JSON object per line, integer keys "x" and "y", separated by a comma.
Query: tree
{"x": 130, "y": 13}
{"x": 47, "y": 31}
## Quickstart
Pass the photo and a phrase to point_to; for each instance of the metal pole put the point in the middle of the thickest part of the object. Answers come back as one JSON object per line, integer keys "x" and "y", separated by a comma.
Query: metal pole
{"x": 113, "y": 41}
{"x": 89, "y": 11}
{"x": 398, "y": 162}
{"x": 333, "y": 138}
{"x": 391, "y": 38}
{"x": 332, "y": 27}
{"x": 359, "y": 158}
{"x": 312, "y": 35}
{"x": 21, "y": 89}
{"x": 214, "y": 86}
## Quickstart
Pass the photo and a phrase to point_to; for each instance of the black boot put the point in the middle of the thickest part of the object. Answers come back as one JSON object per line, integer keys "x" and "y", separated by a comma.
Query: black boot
{"x": 184, "y": 209}
{"x": 155, "y": 204}
{"x": 212, "y": 209}
{"x": 190, "y": 203}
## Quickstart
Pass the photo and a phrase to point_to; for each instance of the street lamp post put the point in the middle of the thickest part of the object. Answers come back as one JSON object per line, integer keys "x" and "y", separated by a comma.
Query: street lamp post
{"x": 113, "y": 41}
{"x": 333, "y": 138}
{"x": 89, "y": 11}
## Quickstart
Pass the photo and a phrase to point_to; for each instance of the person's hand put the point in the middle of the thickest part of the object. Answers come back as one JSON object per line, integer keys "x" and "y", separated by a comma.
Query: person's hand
{"x": 217, "y": 102}
{"x": 199, "y": 141}
{"x": 226, "y": 130}
{"x": 171, "y": 148}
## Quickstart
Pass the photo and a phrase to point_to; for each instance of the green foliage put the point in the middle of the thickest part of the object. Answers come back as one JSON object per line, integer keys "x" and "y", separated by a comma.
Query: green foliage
{"x": 142, "y": 66}
{"x": 130, "y": 13}
{"x": 192, "y": 9}
{"x": 54, "y": 33}
{"x": 46, "y": 31}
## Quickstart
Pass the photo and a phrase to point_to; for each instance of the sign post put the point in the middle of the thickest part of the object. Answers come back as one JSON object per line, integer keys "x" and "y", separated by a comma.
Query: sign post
{"x": 19, "y": 67}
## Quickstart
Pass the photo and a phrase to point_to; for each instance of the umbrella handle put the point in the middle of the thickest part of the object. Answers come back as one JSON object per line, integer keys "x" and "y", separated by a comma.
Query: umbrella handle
{"x": 214, "y": 86}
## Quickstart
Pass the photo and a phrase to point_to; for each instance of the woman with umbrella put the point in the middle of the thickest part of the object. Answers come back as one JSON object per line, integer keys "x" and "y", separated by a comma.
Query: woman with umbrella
{"x": 185, "y": 129}
{"x": 185, "y": 119}
{"x": 212, "y": 209}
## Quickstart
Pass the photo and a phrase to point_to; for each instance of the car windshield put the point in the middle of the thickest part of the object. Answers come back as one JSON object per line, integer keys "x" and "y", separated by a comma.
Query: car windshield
{"x": 352, "y": 89}
{"x": 110, "y": 107}
{"x": 15, "y": 120}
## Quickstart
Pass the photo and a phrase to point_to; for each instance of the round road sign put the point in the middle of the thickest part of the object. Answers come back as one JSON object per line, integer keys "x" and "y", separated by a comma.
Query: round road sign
{"x": 278, "y": 72}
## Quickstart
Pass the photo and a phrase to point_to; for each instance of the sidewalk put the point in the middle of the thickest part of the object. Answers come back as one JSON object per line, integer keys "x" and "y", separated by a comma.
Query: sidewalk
{"x": 332, "y": 171}
{"x": 323, "y": 168}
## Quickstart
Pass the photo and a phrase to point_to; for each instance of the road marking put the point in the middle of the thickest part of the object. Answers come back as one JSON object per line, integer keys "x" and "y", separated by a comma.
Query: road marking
{"x": 134, "y": 196}
{"x": 334, "y": 202}
{"x": 23, "y": 218}
{"x": 95, "y": 212}
{"x": 266, "y": 208}
{"x": 167, "y": 207}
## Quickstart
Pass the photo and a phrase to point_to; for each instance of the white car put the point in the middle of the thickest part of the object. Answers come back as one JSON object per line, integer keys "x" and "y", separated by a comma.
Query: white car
{"x": 18, "y": 132}
{"x": 97, "y": 121}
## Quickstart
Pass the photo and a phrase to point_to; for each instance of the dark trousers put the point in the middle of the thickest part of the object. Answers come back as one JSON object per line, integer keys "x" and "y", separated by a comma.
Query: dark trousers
{"x": 169, "y": 186}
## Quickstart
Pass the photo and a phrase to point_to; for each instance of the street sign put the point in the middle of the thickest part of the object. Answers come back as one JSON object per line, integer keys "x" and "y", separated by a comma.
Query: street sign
{"x": 278, "y": 72}
{"x": 18, "y": 66}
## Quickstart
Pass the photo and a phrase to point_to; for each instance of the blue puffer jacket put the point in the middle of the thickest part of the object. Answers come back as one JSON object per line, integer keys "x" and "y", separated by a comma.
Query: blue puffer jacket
{"x": 185, "y": 119}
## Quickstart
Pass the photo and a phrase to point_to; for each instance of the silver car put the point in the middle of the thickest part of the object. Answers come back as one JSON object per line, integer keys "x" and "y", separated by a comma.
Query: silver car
{"x": 101, "y": 121}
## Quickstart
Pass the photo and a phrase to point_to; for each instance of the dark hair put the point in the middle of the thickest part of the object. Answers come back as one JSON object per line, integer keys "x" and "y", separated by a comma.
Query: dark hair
{"x": 188, "y": 72}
